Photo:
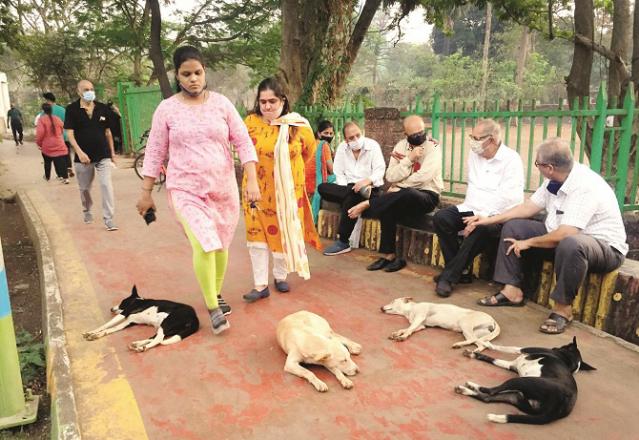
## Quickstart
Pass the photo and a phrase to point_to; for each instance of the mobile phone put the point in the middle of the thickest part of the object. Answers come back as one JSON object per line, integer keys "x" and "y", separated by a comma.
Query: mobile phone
{"x": 149, "y": 216}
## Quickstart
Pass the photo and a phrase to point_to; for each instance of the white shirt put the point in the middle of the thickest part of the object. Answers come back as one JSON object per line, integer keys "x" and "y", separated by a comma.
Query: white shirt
{"x": 494, "y": 185}
{"x": 369, "y": 165}
{"x": 587, "y": 202}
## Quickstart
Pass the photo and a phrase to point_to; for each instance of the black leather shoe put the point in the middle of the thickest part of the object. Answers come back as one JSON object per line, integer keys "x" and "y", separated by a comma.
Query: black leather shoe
{"x": 443, "y": 289}
{"x": 380, "y": 263}
{"x": 395, "y": 265}
{"x": 466, "y": 278}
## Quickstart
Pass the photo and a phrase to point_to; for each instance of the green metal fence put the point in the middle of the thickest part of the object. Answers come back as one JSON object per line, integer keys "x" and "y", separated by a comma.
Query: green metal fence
{"x": 608, "y": 129}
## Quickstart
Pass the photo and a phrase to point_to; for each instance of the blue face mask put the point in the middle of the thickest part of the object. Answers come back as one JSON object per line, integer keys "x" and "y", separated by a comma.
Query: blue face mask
{"x": 553, "y": 187}
{"x": 88, "y": 96}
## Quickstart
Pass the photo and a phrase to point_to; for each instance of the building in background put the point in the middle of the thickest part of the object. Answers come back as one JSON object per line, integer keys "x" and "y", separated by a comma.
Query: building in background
{"x": 4, "y": 102}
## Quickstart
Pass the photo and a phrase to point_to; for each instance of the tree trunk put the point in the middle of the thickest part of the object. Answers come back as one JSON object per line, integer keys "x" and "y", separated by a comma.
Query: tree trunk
{"x": 155, "y": 51}
{"x": 522, "y": 56}
{"x": 620, "y": 46}
{"x": 578, "y": 81}
{"x": 484, "y": 61}
{"x": 319, "y": 46}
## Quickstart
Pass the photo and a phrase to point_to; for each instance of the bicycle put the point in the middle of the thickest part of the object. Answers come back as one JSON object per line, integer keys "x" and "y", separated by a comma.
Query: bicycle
{"x": 138, "y": 163}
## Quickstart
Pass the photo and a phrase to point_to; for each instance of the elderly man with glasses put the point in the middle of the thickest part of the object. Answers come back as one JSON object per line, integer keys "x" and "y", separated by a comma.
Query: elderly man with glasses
{"x": 495, "y": 184}
{"x": 583, "y": 231}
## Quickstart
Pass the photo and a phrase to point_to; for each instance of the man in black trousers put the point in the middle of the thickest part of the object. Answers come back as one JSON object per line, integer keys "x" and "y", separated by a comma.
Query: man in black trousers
{"x": 415, "y": 175}
{"x": 495, "y": 184}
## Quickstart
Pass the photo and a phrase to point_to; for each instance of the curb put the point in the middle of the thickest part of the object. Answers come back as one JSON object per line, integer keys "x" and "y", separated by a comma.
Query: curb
{"x": 64, "y": 415}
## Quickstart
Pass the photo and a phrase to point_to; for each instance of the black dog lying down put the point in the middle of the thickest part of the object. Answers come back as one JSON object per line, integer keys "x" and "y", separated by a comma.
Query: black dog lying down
{"x": 173, "y": 321}
{"x": 546, "y": 389}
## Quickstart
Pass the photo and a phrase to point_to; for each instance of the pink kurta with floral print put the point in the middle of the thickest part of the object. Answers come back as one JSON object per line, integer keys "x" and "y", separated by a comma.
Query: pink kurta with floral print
{"x": 201, "y": 174}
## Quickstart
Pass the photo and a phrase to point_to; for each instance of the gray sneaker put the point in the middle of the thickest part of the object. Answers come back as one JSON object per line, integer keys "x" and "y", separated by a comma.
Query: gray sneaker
{"x": 88, "y": 218}
{"x": 218, "y": 321}
{"x": 226, "y": 309}
{"x": 110, "y": 226}
{"x": 337, "y": 248}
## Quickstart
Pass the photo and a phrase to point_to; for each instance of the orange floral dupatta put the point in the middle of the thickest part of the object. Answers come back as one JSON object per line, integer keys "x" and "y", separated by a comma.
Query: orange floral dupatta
{"x": 291, "y": 230}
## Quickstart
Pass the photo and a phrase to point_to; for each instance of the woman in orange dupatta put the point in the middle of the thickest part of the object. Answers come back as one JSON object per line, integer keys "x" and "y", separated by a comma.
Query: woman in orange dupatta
{"x": 281, "y": 221}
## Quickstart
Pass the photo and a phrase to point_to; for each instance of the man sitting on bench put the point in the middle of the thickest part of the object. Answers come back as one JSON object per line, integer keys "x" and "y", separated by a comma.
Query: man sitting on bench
{"x": 359, "y": 173}
{"x": 415, "y": 175}
{"x": 495, "y": 184}
{"x": 583, "y": 228}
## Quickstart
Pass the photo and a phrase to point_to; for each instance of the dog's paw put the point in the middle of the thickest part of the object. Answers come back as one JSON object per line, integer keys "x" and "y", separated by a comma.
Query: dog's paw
{"x": 92, "y": 336}
{"x": 355, "y": 348}
{"x": 472, "y": 385}
{"x": 398, "y": 336}
{"x": 461, "y": 389}
{"x": 469, "y": 353}
{"x": 346, "y": 383}
{"x": 137, "y": 347}
{"x": 458, "y": 344}
{"x": 497, "y": 418}
{"x": 320, "y": 386}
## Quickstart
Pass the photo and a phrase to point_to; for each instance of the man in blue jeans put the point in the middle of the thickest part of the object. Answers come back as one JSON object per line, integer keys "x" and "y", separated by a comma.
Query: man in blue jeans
{"x": 87, "y": 128}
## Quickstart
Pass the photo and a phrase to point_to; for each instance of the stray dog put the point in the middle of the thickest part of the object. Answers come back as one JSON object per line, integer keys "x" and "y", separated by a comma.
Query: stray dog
{"x": 546, "y": 389}
{"x": 477, "y": 327}
{"x": 308, "y": 338}
{"x": 173, "y": 321}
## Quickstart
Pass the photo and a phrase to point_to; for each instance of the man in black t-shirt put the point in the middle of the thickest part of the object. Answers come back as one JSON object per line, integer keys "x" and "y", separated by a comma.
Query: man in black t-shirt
{"x": 15, "y": 118}
{"x": 87, "y": 127}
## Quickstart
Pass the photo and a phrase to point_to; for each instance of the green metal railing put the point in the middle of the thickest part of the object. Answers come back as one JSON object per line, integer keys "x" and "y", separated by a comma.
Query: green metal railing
{"x": 524, "y": 126}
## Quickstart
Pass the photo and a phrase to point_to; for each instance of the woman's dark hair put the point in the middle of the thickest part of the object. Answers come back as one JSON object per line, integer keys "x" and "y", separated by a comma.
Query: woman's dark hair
{"x": 182, "y": 54}
{"x": 323, "y": 125}
{"x": 48, "y": 110}
{"x": 278, "y": 90}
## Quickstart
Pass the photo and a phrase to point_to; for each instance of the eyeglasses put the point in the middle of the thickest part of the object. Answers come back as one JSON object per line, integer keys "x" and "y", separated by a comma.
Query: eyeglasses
{"x": 480, "y": 138}
{"x": 541, "y": 164}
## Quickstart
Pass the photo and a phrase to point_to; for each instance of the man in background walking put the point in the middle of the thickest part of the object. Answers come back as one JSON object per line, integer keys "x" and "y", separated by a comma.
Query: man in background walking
{"x": 87, "y": 127}
{"x": 16, "y": 122}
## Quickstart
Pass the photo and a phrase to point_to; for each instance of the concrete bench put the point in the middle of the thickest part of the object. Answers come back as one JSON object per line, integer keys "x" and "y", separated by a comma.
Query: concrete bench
{"x": 609, "y": 302}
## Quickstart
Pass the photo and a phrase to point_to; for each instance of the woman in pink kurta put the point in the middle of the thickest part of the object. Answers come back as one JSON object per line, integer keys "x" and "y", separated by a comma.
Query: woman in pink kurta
{"x": 196, "y": 128}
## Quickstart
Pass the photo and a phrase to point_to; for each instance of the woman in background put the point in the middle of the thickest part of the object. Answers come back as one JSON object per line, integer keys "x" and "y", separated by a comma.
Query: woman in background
{"x": 320, "y": 168}
{"x": 50, "y": 140}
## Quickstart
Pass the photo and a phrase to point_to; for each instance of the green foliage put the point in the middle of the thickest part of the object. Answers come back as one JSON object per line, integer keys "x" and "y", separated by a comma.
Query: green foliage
{"x": 31, "y": 353}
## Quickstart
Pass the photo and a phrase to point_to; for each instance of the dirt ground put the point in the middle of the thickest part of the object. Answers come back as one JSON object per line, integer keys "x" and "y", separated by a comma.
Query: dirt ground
{"x": 26, "y": 304}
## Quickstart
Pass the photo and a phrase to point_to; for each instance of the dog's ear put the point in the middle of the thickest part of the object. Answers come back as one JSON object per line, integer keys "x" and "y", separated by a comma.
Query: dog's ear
{"x": 408, "y": 299}
{"x": 134, "y": 291}
{"x": 586, "y": 367}
{"x": 321, "y": 357}
{"x": 574, "y": 340}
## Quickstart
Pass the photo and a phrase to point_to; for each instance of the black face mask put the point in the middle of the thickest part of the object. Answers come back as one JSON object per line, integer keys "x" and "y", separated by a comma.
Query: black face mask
{"x": 326, "y": 138}
{"x": 416, "y": 138}
{"x": 553, "y": 187}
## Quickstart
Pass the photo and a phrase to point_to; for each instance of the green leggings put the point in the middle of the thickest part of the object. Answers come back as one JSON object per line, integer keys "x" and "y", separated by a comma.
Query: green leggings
{"x": 209, "y": 268}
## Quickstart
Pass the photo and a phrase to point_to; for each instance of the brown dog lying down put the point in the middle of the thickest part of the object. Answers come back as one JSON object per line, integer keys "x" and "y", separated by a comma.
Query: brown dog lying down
{"x": 308, "y": 338}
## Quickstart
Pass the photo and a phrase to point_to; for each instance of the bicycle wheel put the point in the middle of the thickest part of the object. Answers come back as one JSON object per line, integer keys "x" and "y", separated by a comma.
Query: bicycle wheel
{"x": 138, "y": 163}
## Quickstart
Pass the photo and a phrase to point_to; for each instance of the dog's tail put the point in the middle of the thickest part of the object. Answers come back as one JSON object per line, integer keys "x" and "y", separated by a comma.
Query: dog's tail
{"x": 529, "y": 419}
{"x": 480, "y": 342}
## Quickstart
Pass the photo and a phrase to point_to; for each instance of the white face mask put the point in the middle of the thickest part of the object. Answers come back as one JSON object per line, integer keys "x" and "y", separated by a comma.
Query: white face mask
{"x": 477, "y": 146}
{"x": 356, "y": 145}
{"x": 88, "y": 96}
{"x": 273, "y": 114}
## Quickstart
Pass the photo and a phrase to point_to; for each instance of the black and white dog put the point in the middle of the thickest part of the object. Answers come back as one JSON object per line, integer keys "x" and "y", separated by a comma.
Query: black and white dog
{"x": 173, "y": 321}
{"x": 545, "y": 389}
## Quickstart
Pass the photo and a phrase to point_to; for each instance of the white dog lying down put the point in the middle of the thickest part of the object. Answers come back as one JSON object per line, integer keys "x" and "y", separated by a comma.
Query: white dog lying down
{"x": 308, "y": 338}
{"x": 477, "y": 327}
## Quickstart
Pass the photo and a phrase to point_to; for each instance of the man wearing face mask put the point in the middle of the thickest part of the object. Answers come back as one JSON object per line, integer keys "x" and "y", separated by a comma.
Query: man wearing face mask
{"x": 87, "y": 128}
{"x": 359, "y": 172}
{"x": 415, "y": 172}
{"x": 583, "y": 229}
{"x": 495, "y": 184}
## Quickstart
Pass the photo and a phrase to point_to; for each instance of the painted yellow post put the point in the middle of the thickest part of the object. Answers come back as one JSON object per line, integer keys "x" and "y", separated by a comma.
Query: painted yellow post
{"x": 14, "y": 410}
